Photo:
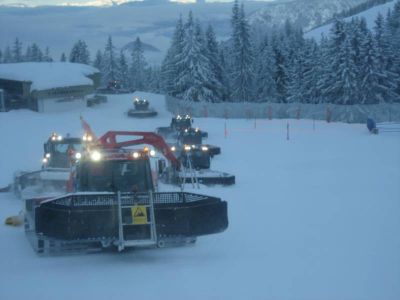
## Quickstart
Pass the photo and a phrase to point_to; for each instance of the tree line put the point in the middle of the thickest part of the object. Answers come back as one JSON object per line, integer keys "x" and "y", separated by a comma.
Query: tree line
{"x": 134, "y": 73}
{"x": 352, "y": 65}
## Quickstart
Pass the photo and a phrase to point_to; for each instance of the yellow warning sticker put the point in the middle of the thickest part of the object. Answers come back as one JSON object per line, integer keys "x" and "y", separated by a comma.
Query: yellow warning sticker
{"x": 139, "y": 214}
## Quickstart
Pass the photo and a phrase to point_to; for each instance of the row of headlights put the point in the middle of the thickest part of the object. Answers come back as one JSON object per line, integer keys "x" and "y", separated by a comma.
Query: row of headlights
{"x": 179, "y": 117}
{"x": 47, "y": 156}
{"x": 196, "y": 130}
{"x": 56, "y": 137}
{"x": 97, "y": 155}
{"x": 87, "y": 138}
{"x": 190, "y": 147}
{"x": 138, "y": 100}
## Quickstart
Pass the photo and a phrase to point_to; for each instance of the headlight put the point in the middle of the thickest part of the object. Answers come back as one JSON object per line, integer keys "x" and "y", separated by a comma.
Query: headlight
{"x": 87, "y": 138}
{"x": 204, "y": 148}
{"x": 135, "y": 154}
{"x": 78, "y": 155}
{"x": 48, "y": 155}
{"x": 152, "y": 153}
{"x": 95, "y": 156}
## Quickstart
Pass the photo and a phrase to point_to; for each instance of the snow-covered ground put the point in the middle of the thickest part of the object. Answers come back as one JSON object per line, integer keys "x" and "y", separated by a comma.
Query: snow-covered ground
{"x": 369, "y": 15}
{"x": 315, "y": 217}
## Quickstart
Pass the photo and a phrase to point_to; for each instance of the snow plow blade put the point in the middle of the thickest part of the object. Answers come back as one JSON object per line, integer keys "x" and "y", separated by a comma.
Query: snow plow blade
{"x": 87, "y": 218}
{"x": 209, "y": 177}
{"x": 141, "y": 113}
{"x": 47, "y": 181}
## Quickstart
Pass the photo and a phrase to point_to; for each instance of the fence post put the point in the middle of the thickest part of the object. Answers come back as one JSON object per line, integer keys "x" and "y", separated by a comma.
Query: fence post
{"x": 328, "y": 115}
{"x": 205, "y": 111}
{"x": 270, "y": 112}
{"x": 287, "y": 131}
{"x": 226, "y": 113}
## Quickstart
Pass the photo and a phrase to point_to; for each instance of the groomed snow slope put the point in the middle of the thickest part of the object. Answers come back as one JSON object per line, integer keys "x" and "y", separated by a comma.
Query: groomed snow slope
{"x": 369, "y": 15}
{"x": 48, "y": 75}
{"x": 315, "y": 217}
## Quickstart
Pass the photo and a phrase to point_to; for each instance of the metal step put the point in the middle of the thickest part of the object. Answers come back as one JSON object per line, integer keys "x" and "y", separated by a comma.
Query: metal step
{"x": 143, "y": 220}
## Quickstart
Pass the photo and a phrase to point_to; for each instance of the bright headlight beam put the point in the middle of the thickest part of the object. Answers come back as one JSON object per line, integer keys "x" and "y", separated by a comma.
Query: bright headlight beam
{"x": 95, "y": 156}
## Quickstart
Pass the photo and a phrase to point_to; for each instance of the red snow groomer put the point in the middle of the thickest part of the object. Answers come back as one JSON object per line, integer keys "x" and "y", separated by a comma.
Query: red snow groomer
{"x": 112, "y": 202}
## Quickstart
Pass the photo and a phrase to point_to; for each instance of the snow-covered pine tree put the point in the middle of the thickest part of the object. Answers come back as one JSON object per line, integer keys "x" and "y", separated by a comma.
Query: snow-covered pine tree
{"x": 7, "y": 55}
{"x": 224, "y": 73}
{"x": 80, "y": 53}
{"x": 47, "y": 56}
{"x": 97, "y": 63}
{"x": 138, "y": 66}
{"x": 109, "y": 64}
{"x": 296, "y": 90}
{"x": 312, "y": 72}
{"x": 345, "y": 89}
{"x": 376, "y": 85}
{"x": 123, "y": 71}
{"x": 213, "y": 55}
{"x": 28, "y": 54}
{"x": 357, "y": 31}
{"x": 264, "y": 66}
{"x": 281, "y": 73}
{"x": 196, "y": 75}
{"x": 153, "y": 79}
{"x": 36, "y": 53}
{"x": 242, "y": 83}
{"x": 17, "y": 51}
{"x": 330, "y": 56}
{"x": 169, "y": 68}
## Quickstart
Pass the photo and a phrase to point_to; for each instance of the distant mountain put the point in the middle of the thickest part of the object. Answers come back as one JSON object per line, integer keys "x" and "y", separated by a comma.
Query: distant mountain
{"x": 307, "y": 14}
{"x": 96, "y": 3}
{"x": 369, "y": 15}
{"x": 146, "y": 47}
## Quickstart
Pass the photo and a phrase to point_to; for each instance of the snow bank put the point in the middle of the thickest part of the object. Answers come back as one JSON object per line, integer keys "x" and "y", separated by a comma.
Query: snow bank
{"x": 45, "y": 75}
{"x": 336, "y": 113}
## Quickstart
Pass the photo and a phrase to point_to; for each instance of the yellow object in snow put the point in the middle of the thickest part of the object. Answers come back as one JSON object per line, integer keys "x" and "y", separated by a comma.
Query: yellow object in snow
{"x": 14, "y": 220}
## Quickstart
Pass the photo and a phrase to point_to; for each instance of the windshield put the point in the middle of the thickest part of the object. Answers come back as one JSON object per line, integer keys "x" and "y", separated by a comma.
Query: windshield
{"x": 125, "y": 176}
{"x": 191, "y": 139}
{"x": 64, "y": 148}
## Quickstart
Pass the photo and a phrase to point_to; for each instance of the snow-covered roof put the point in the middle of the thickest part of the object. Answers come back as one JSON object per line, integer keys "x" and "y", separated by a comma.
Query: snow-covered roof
{"x": 48, "y": 75}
